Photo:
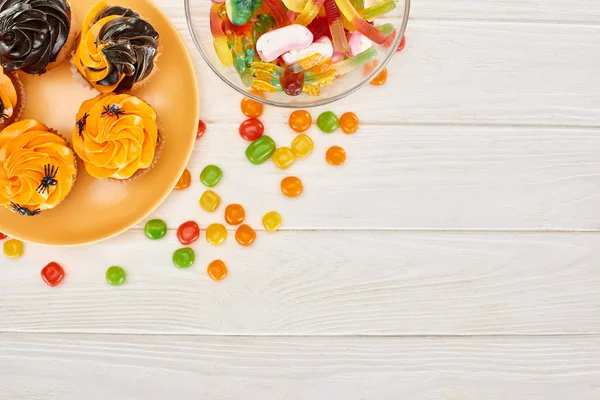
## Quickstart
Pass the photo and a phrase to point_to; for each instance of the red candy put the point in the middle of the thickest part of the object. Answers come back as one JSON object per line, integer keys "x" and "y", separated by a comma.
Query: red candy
{"x": 201, "y": 129}
{"x": 401, "y": 45}
{"x": 319, "y": 28}
{"x": 292, "y": 83}
{"x": 251, "y": 129}
{"x": 53, "y": 274}
{"x": 188, "y": 233}
{"x": 2, "y": 236}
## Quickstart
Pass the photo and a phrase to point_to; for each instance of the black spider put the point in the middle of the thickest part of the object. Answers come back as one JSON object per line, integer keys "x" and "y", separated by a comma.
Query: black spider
{"x": 24, "y": 210}
{"x": 48, "y": 180}
{"x": 2, "y": 111}
{"x": 81, "y": 123}
{"x": 113, "y": 110}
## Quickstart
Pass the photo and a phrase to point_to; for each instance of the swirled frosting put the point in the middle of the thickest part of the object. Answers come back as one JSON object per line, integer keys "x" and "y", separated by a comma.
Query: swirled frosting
{"x": 36, "y": 167}
{"x": 32, "y": 33}
{"x": 117, "y": 48}
{"x": 115, "y": 135}
{"x": 8, "y": 97}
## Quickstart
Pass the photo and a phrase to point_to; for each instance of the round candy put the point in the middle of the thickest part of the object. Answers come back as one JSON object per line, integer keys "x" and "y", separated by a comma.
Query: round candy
{"x": 184, "y": 258}
{"x": 13, "y": 248}
{"x": 185, "y": 181}
{"x": 188, "y": 232}
{"x": 251, "y": 129}
{"x": 217, "y": 270}
{"x": 245, "y": 235}
{"x": 349, "y": 122}
{"x": 115, "y": 276}
{"x": 260, "y": 150}
{"x": 272, "y": 221}
{"x": 155, "y": 229}
{"x": 234, "y": 214}
{"x": 53, "y": 274}
{"x": 335, "y": 155}
{"x": 291, "y": 186}
{"x": 283, "y": 157}
{"x": 216, "y": 234}
{"x": 251, "y": 108}
{"x": 201, "y": 129}
{"x": 211, "y": 175}
{"x": 381, "y": 78}
{"x": 328, "y": 122}
{"x": 2, "y": 236}
{"x": 300, "y": 120}
{"x": 302, "y": 145}
{"x": 209, "y": 201}
{"x": 402, "y": 44}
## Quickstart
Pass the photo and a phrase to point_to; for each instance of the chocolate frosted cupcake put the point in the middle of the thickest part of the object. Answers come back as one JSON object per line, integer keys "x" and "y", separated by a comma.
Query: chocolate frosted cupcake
{"x": 117, "y": 50}
{"x": 35, "y": 35}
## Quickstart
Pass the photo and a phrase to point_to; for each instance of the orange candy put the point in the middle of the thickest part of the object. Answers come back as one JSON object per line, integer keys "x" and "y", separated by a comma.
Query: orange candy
{"x": 335, "y": 155}
{"x": 300, "y": 120}
{"x": 217, "y": 270}
{"x": 291, "y": 186}
{"x": 245, "y": 235}
{"x": 381, "y": 78}
{"x": 185, "y": 181}
{"x": 349, "y": 122}
{"x": 251, "y": 108}
{"x": 234, "y": 214}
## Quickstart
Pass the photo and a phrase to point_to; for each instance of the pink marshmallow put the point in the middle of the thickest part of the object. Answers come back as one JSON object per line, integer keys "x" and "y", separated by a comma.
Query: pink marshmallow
{"x": 358, "y": 43}
{"x": 278, "y": 41}
{"x": 218, "y": 1}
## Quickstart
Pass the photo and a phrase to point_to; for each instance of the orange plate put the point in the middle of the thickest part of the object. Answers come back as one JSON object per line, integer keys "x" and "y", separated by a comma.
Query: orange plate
{"x": 96, "y": 209}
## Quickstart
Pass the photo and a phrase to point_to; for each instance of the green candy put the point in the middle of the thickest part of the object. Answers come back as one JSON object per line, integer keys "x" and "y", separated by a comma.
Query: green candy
{"x": 260, "y": 150}
{"x": 328, "y": 122}
{"x": 211, "y": 175}
{"x": 155, "y": 229}
{"x": 385, "y": 29}
{"x": 240, "y": 11}
{"x": 184, "y": 258}
{"x": 115, "y": 276}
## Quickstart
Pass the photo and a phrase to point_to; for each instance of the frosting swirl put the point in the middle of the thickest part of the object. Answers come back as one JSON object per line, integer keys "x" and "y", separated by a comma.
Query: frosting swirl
{"x": 32, "y": 33}
{"x": 8, "y": 97}
{"x": 117, "y": 48}
{"x": 37, "y": 167}
{"x": 115, "y": 135}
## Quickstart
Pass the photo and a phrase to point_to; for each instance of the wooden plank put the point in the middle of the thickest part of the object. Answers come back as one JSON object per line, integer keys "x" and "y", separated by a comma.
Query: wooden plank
{"x": 37, "y": 367}
{"x": 325, "y": 283}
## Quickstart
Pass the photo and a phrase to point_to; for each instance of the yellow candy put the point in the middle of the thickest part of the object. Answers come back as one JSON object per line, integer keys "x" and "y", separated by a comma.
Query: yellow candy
{"x": 272, "y": 221}
{"x": 283, "y": 157}
{"x": 311, "y": 90}
{"x": 263, "y": 75}
{"x": 263, "y": 86}
{"x": 210, "y": 201}
{"x": 302, "y": 145}
{"x": 307, "y": 62}
{"x": 13, "y": 248}
{"x": 216, "y": 234}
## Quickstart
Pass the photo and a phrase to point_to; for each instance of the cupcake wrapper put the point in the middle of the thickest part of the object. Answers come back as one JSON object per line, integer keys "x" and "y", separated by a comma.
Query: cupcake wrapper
{"x": 19, "y": 109}
{"x": 68, "y": 48}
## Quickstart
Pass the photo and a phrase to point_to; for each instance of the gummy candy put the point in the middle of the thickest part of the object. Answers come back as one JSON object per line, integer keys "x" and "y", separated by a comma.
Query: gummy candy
{"x": 260, "y": 150}
{"x": 335, "y": 155}
{"x": 245, "y": 235}
{"x": 211, "y": 175}
{"x": 291, "y": 186}
{"x": 188, "y": 232}
{"x": 234, "y": 214}
{"x": 300, "y": 120}
{"x": 53, "y": 274}
{"x": 184, "y": 181}
{"x": 155, "y": 229}
{"x": 302, "y": 145}
{"x": 184, "y": 258}
{"x": 201, "y": 129}
{"x": 328, "y": 122}
{"x": 349, "y": 122}
{"x": 380, "y": 78}
{"x": 216, "y": 234}
{"x": 251, "y": 129}
{"x": 251, "y": 108}
{"x": 283, "y": 157}
{"x": 13, "y": 248}
{"x": 271, "y": 221}
{"x": 209, "y": 201}
{"x": 115, "y": 276}
{"x": 217, "y": 270}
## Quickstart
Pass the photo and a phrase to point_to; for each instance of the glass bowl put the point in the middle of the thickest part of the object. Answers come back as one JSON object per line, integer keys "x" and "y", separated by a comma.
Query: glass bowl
{"x": 198, "y": 19}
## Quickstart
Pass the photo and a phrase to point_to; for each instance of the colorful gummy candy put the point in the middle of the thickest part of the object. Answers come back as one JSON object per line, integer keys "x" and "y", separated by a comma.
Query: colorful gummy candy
{"x": 155, "y": 229}
{"x": 402, "y": 44}
{"x": 217, "y": 270}
{"x": 302, "y": 145}
{"x": 349, "y": 122}
{"x": 188, "y": 232}
{"x": 251, "y": 108}
{"x": 184, "y": 258}
{"x": 291, "y": 186}
{"x": 210, "y": 201}
{"x": 380, "y": 78}
{"x": 2, "y": 236}
{"x": 300, "y": 120}
{"x": 53, "y": 274}
{"x": 115, "y": 276}
{"x": 234, "y": 214}
{"x": 328, "y": 122}
{"x": 201, "y": 129}
{"x": 335, "y": 155}
{"x": 184, "y": 181}
{"x": 13, "y": 248}
{"x": 251, "y": 129}
{"x": 211, "y": 175}
{"x": 272, "y": 221}
{"x": 283, "y": 157}
{"x": 245, "y": 235}
{"x": 260, "y": 150}
{"x": 216, "y": 234}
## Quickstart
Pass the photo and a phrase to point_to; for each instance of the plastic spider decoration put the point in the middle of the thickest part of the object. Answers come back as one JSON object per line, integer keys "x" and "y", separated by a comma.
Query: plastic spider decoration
{"x": 3, "y": 114}
{"x": 24, "y": 210}
{"x": 114, "y": 110}
{"x": 81, "y": 123}
{"x": 49, "y": 179}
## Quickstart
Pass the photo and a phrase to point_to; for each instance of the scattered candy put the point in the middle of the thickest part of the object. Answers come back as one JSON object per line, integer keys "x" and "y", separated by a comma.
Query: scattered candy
{"x": 155, "y": 229}
{"x": 209, "y": 201}
{"x": 335, "y": 155}
{"x": 260, "y": 150}
{"x": 328, "y": 122}
{"x": 188, "y": 233}
{"x": 115, "y": 276}
{"x": 381, "y": 78}
{"x": 13, "y": 248}
{"x": 53, "y": 274}
{"x": 402, "y": 44}
{"x": 234, "y": 214}
{"x": 2, "y": 236}
{"x": 211, "y": 175}
{"x": 201, "y": 129}
{"x": 216, "y": 234}
{"x": 251, "y": 108}
{"x": 300, "y": 120}
{"x": 184, "y": 181}
{"x": 217, "y": 270}
{"x": 184, "y": 258}
{"x": 283, "y": 157}
{"x": 291, "y": 186}
{"x": 349, "y": 122}
{"x": 245, "y": 235}
{"x": 281, "y": 40}
{"x": 251, "y": 129}
{"x": 272, "y": 221}
{"x": 302, "y": 145}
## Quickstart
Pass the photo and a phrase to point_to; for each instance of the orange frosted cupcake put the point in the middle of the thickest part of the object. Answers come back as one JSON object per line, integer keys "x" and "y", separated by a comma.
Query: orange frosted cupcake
{"x": 12, "y": 98}
{"x": 37, "y": 168}
{"x": 116, "y": 136}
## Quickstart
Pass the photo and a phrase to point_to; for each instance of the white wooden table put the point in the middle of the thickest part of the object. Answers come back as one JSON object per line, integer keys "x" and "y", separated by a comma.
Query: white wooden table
{"x": 455, "y": 256}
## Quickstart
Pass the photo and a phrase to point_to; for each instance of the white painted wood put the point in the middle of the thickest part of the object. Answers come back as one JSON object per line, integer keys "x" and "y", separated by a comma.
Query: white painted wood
{"x": 321, "y": 283}
{"x": 39, "y": 367}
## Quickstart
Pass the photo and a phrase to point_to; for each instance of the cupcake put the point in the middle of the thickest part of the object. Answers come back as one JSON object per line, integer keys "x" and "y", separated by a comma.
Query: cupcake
{"x": 37, "y": 168}
{"x": 117, "y": 50}
{"x": 116, "y": 136}
{"x": 35, "y": 35}
{"x": 12, "y": 98}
